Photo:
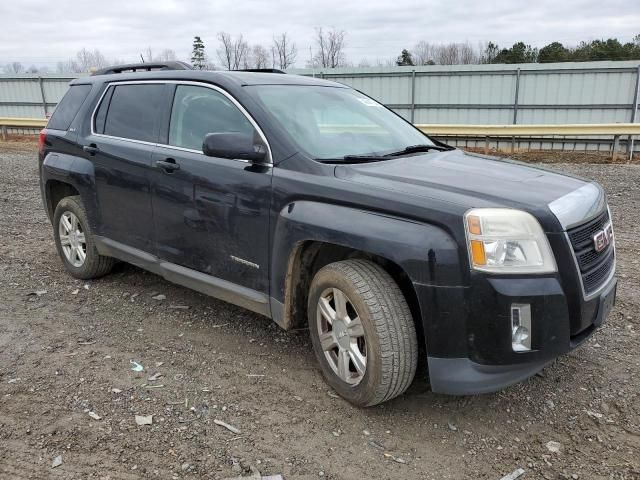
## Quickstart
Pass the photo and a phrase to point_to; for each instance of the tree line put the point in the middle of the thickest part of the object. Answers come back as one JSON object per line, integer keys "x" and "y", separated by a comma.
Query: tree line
{"x": 328, "y": 50}
{"x": 425, "y": 53}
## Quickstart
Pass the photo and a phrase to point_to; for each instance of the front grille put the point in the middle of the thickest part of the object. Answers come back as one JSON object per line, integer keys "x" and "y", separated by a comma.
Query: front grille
{"x": 595, "y": 267}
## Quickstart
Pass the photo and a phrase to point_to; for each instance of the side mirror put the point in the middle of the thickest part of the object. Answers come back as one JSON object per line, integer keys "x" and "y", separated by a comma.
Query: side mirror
{"x": 233, "y": 145}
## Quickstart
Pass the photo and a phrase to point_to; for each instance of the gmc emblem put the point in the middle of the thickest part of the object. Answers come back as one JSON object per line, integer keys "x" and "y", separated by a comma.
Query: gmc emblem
{"x": 603, "y": 238}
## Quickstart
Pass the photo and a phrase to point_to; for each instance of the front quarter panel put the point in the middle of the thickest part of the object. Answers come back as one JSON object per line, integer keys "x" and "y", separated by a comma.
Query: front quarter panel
{"x": 426, "y": 253}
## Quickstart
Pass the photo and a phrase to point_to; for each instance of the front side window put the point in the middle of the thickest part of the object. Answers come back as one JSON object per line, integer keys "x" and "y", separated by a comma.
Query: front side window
{"x": 331, "y": 122}
{"x": 197, "y": 111}
{"x": 131, "y": 111}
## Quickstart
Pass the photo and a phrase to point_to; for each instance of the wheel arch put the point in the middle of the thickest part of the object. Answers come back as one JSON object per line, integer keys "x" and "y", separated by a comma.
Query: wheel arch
{"x": 64, "y": 175}
{"x": 309, "y": 235}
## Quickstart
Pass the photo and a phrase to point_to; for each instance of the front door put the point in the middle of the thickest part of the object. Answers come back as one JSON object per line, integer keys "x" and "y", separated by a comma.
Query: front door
{"x": 210, "y": 214}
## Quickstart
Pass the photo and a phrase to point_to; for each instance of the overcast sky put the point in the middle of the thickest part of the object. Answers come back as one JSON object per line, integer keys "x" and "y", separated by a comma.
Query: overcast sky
{"x": 43, "y": 32}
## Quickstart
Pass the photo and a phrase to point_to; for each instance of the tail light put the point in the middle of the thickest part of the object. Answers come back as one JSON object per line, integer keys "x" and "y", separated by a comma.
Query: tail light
{"x": 42, "y": 138}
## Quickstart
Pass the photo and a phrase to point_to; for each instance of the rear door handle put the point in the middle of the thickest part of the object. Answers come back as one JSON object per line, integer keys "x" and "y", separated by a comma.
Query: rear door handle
{"x": 168, "y": 165}
{"x": 91, "y": 149}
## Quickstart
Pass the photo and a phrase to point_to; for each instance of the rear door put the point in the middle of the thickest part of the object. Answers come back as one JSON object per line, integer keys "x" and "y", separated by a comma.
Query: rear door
{"x": 211, "y": 214}
{"x": 125, "y": 130}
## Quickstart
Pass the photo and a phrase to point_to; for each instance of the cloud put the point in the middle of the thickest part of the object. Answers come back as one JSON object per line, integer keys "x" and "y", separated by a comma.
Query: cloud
{"x": 45, "y": 32}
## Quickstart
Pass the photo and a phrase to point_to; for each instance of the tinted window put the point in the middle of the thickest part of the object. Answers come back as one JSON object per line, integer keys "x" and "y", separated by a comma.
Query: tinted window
{"x": 68, "y": 107}
{"x": 199, "y": 110}
{"x": 134, "y": 112}
{"x": 101, "y": 114}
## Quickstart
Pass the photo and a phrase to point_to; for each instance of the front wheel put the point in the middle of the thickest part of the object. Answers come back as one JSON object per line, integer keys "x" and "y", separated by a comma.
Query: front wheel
{"x": 362, "y": 332}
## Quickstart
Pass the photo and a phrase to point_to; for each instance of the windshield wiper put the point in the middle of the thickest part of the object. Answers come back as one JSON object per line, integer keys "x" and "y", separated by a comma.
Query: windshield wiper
{"x": 416, "y": 149}
{"x": 354, "y": 159}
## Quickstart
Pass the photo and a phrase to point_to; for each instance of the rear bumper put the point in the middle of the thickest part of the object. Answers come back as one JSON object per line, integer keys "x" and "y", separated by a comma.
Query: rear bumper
{"x": 469, "y": 344}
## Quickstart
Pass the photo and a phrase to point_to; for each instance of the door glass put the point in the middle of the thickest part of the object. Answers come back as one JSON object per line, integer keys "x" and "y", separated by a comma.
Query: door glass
{"x": 134, "y": 112}
{"x": 200, "y": 110}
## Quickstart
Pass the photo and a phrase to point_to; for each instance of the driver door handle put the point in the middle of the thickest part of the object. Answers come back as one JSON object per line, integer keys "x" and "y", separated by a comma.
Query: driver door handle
{"x": 168, "y": 165}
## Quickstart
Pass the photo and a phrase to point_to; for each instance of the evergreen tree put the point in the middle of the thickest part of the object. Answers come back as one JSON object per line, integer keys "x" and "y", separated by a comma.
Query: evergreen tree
{"x": 198, "y": 59}
{"x": 554, "y": 52}
{"x": 518, "y": 53}
{"x": 405, "y": 59}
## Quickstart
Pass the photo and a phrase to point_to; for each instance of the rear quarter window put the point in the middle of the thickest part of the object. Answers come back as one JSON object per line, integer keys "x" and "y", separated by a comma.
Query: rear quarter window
{"x": 68, "y": 107}
{"x": 131, "y": 111}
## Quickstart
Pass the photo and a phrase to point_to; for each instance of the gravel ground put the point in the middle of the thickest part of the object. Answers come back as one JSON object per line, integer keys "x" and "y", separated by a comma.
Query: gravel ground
{"x": 68, "y": 393}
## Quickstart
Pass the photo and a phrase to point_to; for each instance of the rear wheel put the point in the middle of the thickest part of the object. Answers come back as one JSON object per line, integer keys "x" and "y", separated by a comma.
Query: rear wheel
{"x": 75, "y": 242}
{"x": 362, "y": 332}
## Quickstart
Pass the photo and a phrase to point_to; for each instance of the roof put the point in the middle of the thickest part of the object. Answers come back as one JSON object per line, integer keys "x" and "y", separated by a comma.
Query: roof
{"x": 219, "y": 77}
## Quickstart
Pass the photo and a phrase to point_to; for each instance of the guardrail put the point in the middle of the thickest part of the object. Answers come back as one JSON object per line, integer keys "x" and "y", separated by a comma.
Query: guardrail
{"x": 453, "y": 130}
{"x": 532, "y": 130}
{"x": 9, "y": 122}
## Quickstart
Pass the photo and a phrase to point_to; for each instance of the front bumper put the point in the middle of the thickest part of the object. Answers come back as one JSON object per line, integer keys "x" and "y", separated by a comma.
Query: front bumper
{"x": 482, "y": 359}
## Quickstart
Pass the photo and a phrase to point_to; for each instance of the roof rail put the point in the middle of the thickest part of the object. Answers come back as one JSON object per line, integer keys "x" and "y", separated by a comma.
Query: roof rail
{"x": 143, "y": 67}
{"x": 260, "y": 70}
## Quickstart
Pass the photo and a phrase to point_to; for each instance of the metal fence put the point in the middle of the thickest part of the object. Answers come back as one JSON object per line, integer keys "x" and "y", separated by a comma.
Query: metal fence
{"x": 559, "y": 93}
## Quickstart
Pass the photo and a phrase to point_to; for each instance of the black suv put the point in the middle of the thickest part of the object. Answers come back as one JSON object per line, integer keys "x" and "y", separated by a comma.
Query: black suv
{"x": 310, "y": 203}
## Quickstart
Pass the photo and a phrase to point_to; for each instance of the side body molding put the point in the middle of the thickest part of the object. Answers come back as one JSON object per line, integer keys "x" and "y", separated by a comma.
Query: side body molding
{"x": 427, "y": 253}
{"x": 215, "y": 287}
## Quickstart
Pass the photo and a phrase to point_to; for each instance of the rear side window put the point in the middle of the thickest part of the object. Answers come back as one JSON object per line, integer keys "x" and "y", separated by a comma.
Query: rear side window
{"x": 68, "y": 107}
{"x": 131, "y": 111}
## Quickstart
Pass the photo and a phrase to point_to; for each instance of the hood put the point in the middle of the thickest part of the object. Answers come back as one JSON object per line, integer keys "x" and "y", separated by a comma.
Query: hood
{"x": 463, "y": 178}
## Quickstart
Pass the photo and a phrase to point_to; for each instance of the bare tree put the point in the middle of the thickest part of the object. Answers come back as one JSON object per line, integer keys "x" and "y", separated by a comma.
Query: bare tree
{"x": 232, "y": 53}
{"x": 225, "y": 52}
{"x": 467, "y": 54}
{"x": 423, "y": 53}
{"x": 14, "y": 68}
{"x": 283, "y": 52}
{"x": 166, "y": 55}
{"x": 330, "y": 47}
{"x": 259, "y": 57}
{"x": 240, "y": 53}
{"x": 87, "y": 60}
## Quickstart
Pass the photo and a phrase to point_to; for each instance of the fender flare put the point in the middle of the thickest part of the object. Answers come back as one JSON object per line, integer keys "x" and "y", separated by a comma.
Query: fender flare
{"x": 75, "y": 171}
{"x": 428, "y": 254}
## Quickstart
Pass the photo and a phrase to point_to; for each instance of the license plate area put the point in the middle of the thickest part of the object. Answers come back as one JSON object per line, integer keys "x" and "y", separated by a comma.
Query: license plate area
{"x": 607, "y": 301}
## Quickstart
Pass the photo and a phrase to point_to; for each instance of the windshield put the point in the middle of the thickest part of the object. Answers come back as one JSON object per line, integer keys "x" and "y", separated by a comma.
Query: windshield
{"x": 331, "y": 123}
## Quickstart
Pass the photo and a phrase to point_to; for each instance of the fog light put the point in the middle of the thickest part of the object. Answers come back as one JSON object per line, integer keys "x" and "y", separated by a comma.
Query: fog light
{"x": 521, "y": 327}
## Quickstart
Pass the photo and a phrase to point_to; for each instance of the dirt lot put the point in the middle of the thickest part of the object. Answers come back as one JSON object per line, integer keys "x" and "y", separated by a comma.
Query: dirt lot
{"x": 67, "y": 387}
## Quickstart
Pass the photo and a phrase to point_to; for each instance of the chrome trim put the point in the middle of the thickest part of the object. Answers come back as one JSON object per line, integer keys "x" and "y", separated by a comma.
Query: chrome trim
{"x": 599, "y": 290}
{"x": 579, "y": 206}
{"x": 182, "y": 82}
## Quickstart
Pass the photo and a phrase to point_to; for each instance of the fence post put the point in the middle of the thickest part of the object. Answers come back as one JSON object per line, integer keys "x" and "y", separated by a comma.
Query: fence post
{"x": 44, "y": 100}
{"x": 515, "y": 108}
{"x": 634, "y": 111}
{"x": 615, "y": 147}
{"x": 413, "y": 95}
{"x": 4, "y": 133}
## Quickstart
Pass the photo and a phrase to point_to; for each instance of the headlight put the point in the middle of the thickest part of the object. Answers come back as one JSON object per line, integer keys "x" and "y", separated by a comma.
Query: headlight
{"x": 502, "y": 240}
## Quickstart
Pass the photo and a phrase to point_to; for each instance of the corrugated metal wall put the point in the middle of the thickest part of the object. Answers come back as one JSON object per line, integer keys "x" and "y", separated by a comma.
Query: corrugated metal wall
{"x": 557, "y": 93}
{"x": 31, "y": 96}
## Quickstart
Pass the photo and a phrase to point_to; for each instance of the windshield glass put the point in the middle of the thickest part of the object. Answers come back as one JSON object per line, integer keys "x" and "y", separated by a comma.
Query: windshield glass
{"x": 330, "y": 123}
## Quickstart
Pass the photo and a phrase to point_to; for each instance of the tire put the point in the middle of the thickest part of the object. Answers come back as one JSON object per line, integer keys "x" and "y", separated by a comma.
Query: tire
{"x": 390, "y": 346}
{"x": 93, "y": 265}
